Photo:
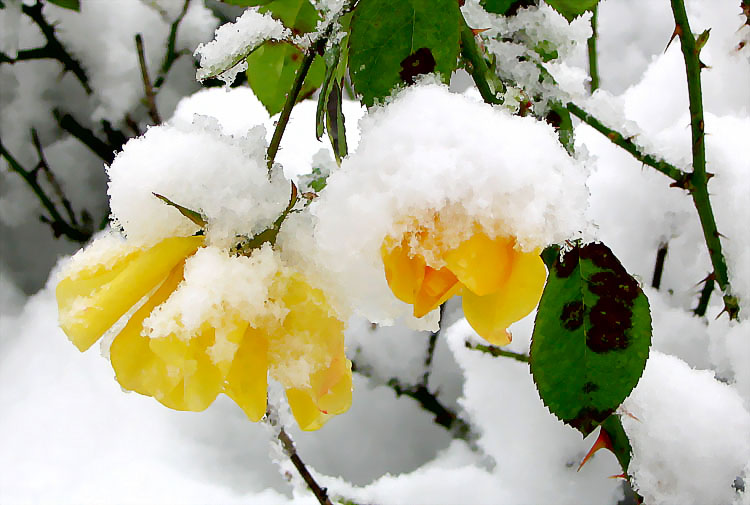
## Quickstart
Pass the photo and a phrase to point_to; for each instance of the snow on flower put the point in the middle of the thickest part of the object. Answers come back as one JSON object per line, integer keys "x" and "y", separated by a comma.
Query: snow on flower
{"x": 499, "y": 284}
{"x": 429, "y": 173}
{"x": 198, "y": 315}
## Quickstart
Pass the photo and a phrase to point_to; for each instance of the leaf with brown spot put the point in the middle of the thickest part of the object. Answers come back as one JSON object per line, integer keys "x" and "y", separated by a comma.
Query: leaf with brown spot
{"x": 591, "y": 335}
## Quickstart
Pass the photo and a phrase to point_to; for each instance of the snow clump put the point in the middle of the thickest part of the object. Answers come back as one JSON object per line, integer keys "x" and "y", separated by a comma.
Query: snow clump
{"x": 693, "y": 457}
{"x": 224, "y": 57}
{"x": 224, "y": 178}
{"x": 433, "y": 152}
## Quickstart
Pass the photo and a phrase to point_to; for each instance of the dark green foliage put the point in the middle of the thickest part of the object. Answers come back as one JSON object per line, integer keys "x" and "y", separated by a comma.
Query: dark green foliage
{"x": 591, "y": 336}
{"x": 74, "y": 5}
{"x": 271, "y": 69}
{"x": 393, "y": 41}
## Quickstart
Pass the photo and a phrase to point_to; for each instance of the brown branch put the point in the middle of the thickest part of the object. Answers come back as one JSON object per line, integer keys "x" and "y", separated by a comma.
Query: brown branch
{"x": 44, "y": 167}
{"x": 148, "y": 88}
{"x": 320, "y": 493}
{"x": 53, "y": 49}
{"x": 56, "y": 221}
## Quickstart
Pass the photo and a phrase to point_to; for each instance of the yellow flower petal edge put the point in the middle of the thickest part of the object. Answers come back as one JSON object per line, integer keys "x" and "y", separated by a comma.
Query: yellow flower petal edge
{"x": 90, "y": 301}
{"x": 499, "y": 283}
{"x": 490, "y": 315}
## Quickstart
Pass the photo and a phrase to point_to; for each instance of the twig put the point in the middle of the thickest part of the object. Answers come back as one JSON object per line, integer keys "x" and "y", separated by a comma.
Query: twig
{"x": 661, "y": 256}
{"x": 56, "y": 221}
{"x": 591, "y": 45}
{"x": 444, "y": 416}
{"x": 171, "y": 55}
{"x": 320, "y": 493}
{"x": 53, "y": 49}
{"x": 149, "y": 90}
{"x": 699, "y": 177}
{"x": 44, "y": 166}
{"x": 487, "y": 82}
{"x": 636, "y": 151}
{"x": 68, "y": 123}
{"x": 497, "y": 352}
{"x": 431, "y": 343}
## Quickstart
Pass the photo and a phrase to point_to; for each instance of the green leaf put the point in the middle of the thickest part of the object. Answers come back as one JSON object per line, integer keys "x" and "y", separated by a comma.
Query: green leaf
{"x": 188, "y": 213}
{"x": 331, "y": 58}
{"x": 335, "y": 123}
{"x": 271, "y": 69}
{"x": 74, "y": 5}
{"x": 591, "y": 335}
{"x": 298, "y": 15}
{"x": 559, "y": 117}
{"x": 571, "y": 9}
{"x": 393, "y": 41}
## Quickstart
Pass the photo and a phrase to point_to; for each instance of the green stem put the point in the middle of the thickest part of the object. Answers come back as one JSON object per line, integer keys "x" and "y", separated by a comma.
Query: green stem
{"x": 498, "y": 352}
{"x": 708, "y": 288}
{"x": 58, "y": 223}
{"x": 171, "y": 55}
{"x": 591, "y": 44}
{"x": 316, "y": 47}
{"x": 487, "y": 82}
{"x": 636, "y": 151}
{"x": 699, "y": 177}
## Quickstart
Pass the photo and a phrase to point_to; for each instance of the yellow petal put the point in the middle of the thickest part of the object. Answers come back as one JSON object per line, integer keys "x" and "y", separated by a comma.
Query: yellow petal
{"x": 403, "y": 273}
{"x": 437, "y": 287}
{"x": 480, "y": 263}
{"x": 136, "y": 366}
{"x": 91, "y": 301}
{"x": 491, "y": 315}
{"x": 202, "y": 379}
{"x": 307, "y": 414}
{"x": 247, "y": 380}
{"x": 332, "y": 389}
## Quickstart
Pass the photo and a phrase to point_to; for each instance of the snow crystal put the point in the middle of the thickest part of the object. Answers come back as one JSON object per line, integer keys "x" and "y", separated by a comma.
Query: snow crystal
{"x": 691, "y": 438}
{"x": 451, "y": 163}
{"x": 225, "y": 55}
{"x": 197, "y": 166}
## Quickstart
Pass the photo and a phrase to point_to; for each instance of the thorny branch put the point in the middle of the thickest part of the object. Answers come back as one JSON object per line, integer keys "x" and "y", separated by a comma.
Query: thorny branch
{"x": 52, "y": 49}
{"x": 497, "y": 352}
{"x": 698, "y": 182}
{"x": 627, "y": 143}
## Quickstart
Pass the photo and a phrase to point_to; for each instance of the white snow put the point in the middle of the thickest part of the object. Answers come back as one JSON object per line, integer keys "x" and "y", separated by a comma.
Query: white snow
{"x": 225, "y": 55}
